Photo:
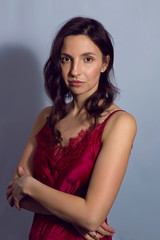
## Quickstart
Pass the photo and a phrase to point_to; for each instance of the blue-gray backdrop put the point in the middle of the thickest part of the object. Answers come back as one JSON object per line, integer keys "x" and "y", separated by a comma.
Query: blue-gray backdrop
{"x": 26, "y": 33}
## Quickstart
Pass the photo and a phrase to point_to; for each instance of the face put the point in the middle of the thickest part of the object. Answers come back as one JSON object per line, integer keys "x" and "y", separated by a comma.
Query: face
{"x": 81, "y": 64}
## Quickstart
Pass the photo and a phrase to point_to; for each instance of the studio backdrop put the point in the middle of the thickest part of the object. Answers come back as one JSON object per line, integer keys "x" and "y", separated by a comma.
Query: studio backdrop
{"x": 27, "y": 29}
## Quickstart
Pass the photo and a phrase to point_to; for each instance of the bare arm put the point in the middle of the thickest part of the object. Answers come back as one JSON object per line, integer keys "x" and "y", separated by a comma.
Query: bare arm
{"x": 105, "y": 182}
{"x": 26, "y": 162}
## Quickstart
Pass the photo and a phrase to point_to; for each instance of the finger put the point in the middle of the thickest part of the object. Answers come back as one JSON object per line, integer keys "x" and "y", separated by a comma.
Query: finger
{"x": 10, "y": 184}
{"x": 88, "y": 237}
{"x": 21, "y": 171}
{"x": 103, "y": 232}
{"x": 16, "y": 203}
{"x": 106, "y": 227}
{"x": 11, "y": 200}
{"x": 97, "y": 236}
{"x": 8, "y": 192}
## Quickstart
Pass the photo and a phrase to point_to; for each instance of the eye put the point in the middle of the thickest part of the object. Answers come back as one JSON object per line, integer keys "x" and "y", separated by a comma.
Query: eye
{"x": 65, "y": 59}
{"x": 88, "y": 59}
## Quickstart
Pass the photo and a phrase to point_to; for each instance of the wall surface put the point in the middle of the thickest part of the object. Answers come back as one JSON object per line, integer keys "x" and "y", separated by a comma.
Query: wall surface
{"x": 26, "y": 32}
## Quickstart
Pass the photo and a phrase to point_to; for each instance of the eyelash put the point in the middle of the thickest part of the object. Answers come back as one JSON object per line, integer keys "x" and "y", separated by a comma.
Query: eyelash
{"x": 88, "y": 58}
{"x": 68, "y": 59}
{"x": 65, "y": 59}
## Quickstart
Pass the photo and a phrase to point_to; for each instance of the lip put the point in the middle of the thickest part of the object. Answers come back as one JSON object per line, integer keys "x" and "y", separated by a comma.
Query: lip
{"x": 75, "y": 83}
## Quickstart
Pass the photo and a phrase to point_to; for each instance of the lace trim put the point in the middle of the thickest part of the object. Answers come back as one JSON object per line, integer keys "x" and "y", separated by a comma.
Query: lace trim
{"x": 87, "y": 130}
{"x": 42, "y": 136}
{"x": 72, "y": 142}
{"x": 59, "y": 153}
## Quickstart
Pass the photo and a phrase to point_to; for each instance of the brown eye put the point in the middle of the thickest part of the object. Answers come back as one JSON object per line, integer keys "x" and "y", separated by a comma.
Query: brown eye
{"x": 65, "y": 59}
{"x": 88, "y": 59}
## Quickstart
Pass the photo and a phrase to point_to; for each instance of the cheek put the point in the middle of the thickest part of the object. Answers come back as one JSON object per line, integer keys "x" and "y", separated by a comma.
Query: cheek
{"x": 95, "y": 72}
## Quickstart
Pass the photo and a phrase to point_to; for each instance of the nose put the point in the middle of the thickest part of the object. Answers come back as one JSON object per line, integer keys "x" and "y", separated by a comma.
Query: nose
{"x": 75, "y": 68}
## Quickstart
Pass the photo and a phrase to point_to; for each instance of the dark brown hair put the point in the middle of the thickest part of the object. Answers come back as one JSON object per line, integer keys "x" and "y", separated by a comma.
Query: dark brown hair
{"x": 54, "y": 84}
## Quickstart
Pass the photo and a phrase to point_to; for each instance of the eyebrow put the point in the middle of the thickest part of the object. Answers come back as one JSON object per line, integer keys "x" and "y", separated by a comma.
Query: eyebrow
{"x": 83, "y": 54}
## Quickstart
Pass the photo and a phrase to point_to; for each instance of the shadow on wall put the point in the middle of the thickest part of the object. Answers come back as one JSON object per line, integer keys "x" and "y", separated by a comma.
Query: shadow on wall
{"x": 20, "y": 101}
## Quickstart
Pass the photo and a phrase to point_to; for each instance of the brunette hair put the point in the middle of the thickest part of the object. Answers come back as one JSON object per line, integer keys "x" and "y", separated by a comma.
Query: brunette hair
{"x": 54, "y": 83}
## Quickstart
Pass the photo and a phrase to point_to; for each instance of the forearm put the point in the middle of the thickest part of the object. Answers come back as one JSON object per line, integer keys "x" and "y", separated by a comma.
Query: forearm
{"x": 68, "y": 207}
{"x": 32, "y": 205}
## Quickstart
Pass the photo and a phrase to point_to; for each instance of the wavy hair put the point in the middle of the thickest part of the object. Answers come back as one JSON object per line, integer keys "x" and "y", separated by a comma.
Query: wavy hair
{"x": 54, "y": 83}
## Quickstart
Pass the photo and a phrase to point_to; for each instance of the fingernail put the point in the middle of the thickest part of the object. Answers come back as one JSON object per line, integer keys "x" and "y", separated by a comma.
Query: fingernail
{"x": 20, "y": 168}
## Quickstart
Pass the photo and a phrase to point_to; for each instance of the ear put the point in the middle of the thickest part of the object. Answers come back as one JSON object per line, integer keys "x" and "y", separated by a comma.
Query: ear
{"x": 105, "y": 63}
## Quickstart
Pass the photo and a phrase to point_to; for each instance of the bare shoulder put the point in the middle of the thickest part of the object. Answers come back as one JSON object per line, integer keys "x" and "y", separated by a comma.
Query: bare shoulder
{"x": 120, "y": 123}
{"x": 45, "y": 112}
{"x": 41, "y": 119}
{"x": 121, "y": 117}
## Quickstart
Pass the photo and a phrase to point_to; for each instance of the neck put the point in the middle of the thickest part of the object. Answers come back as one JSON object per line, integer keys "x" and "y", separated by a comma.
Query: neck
{"x": 78, "y": 105}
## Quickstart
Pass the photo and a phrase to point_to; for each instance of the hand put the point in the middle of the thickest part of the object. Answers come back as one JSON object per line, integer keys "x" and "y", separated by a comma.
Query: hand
{"x": 9, "y": 194}
{"x": 103, "y": 230}
{"x": 16, "y": 190}
{"x": 9, "y": 191}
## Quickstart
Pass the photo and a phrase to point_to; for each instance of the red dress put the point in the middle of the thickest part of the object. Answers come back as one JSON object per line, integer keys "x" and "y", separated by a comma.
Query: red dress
{"x": 67, "y": 169}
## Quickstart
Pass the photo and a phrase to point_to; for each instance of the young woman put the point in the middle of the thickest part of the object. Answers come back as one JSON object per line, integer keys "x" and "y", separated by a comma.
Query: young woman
{"x": 77, "y": 154}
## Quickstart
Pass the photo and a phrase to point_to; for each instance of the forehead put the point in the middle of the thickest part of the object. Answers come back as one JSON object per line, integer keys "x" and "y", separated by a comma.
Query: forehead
{"x": 79, "y": 44}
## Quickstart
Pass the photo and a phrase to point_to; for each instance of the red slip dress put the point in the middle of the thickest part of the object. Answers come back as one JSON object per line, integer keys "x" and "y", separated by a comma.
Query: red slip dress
{"x": 68, "y": 170}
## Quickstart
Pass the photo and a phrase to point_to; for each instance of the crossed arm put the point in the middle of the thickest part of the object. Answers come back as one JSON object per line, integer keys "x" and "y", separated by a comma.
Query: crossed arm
{"x": 109, "y": 170}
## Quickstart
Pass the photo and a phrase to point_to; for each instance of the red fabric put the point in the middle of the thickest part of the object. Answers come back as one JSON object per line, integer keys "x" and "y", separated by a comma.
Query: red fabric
{"x": 67, "y": 170}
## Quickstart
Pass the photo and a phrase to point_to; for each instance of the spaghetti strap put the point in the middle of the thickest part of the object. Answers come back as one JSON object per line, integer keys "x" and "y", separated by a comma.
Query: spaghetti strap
{"x": 112, "y": 113}
{"x": 68, "y": 170}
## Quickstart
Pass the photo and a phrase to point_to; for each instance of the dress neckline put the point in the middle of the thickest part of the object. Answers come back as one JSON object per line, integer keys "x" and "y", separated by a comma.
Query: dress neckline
{"x": 83, "y": 132}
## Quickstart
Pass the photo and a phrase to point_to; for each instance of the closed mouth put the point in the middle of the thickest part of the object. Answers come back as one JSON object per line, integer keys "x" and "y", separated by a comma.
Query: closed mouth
{"x": 75, "y": 83}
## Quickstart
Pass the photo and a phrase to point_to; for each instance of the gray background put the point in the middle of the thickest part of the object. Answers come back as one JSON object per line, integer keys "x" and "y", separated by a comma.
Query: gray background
{"x": 26, "y": 33}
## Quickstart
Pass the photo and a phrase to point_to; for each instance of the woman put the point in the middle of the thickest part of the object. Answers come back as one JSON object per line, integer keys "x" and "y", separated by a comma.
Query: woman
{"x": 78, "y": 151}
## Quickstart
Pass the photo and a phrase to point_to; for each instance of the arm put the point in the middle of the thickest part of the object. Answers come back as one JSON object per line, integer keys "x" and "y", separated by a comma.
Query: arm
{"x": 105, "y": 182}
{"x": 26, "y": 162}
{"x": 32, "y": 205}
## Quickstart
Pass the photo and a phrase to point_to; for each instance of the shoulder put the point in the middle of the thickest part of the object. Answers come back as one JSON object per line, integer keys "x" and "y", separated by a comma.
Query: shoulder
{"x": 41, "y": 119}
{"x": 45, "y": 112}
{"x": 120, "y": 123}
